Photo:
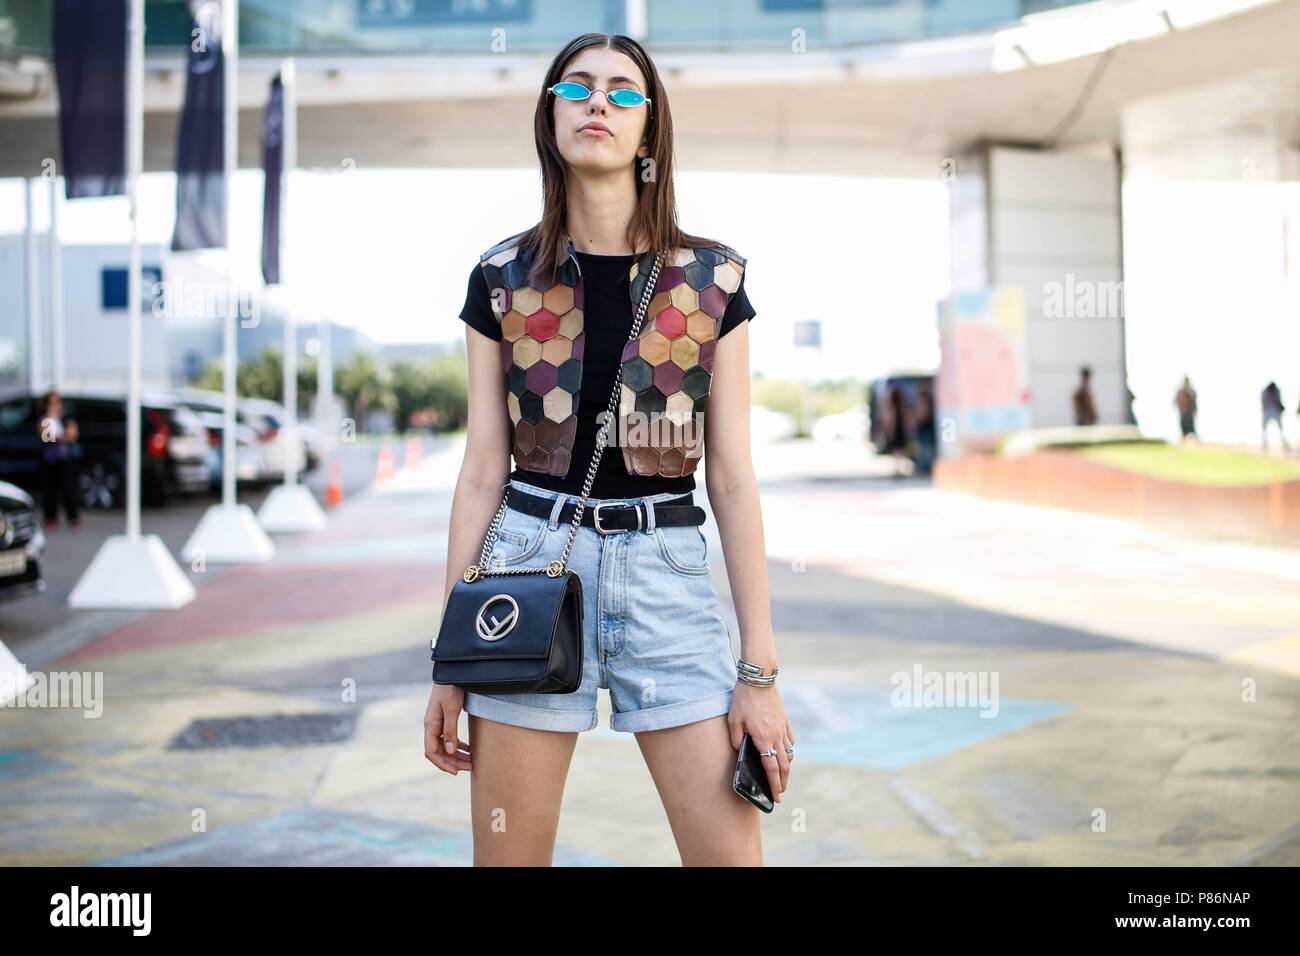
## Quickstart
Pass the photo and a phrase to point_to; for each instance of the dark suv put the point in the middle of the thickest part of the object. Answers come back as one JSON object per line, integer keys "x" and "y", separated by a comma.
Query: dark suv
{"x": 173, "y": 446}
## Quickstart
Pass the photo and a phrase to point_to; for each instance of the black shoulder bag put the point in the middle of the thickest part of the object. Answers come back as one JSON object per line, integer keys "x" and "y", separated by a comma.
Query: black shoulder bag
{"x": 524, "y": 637}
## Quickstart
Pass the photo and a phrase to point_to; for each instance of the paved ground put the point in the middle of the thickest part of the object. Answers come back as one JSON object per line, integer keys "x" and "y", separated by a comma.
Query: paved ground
{"x": 1144, "y": 710}
{"x": 27, "y": 625}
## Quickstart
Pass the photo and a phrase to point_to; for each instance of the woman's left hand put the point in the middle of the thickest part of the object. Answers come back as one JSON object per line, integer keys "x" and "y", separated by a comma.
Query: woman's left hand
{"x": 759, "y": 711}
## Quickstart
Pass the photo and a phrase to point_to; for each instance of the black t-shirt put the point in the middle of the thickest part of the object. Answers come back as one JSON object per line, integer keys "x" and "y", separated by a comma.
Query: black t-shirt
{"x": 607, "y": 322}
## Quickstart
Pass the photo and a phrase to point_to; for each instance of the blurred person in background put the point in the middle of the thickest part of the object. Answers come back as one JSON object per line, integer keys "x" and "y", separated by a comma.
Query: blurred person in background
{"x": 1085, "y": 410}
{"x": 897, "y": 440}
{"x": 58, "y": 461}
{"x": 926, "y": 440}
{"x": 1185, "y": 401}
{"x": 1271, "y": 405}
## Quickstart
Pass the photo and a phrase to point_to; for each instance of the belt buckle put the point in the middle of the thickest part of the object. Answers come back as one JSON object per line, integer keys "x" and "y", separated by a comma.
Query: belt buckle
{"x": 595, "y": 517}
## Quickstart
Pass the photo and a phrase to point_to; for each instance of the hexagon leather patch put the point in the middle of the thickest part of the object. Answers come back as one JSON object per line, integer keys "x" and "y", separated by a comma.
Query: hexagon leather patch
{"x": 541, "y": 354}
{"x": 667, "y": 371}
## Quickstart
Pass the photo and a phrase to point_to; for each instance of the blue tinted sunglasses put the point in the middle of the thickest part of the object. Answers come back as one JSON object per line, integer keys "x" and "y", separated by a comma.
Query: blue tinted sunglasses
{"x": 576, "y": 91}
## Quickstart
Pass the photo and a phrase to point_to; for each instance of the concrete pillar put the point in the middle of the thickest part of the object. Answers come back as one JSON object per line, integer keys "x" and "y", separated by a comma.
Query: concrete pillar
{"x": 1048, "y": 223}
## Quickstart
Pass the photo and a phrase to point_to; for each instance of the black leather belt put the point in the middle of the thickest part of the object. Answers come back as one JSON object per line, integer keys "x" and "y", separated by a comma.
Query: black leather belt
{"x": 610, "y": 518}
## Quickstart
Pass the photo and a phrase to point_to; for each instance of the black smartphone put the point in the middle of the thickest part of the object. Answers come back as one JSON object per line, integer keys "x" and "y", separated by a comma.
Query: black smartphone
{"x": 751, "y": 776}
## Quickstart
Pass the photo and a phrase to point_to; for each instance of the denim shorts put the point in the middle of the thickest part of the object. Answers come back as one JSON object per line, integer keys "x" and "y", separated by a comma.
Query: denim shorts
{"x": 652, "y": 633}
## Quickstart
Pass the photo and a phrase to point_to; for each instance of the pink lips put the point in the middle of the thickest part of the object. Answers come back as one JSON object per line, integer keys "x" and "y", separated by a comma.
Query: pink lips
{"x": 595, "y": 130}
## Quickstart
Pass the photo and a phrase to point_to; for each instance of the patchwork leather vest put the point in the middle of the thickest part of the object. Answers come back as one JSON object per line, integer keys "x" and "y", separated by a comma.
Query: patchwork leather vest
{"x": 667, "y": 370}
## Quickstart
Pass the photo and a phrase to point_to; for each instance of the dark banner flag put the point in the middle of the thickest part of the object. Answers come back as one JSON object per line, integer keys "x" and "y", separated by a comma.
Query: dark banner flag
{"x": 273, "y": 167}
{"x": 90, "y": 67}
{"x": 200, "y": 170}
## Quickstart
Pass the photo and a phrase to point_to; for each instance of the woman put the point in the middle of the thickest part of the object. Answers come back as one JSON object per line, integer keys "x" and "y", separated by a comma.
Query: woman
{"x": 550, "y": 314}
{"x": 58, "y": 462}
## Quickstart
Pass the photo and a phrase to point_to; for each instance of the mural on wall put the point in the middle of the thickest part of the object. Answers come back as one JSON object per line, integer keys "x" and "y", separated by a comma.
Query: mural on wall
{"x": 982, "y": 385}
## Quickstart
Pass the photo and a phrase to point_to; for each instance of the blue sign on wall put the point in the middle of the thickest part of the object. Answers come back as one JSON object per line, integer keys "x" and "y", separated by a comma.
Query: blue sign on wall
{"x": 399, "y": 13}
{"x": 193, "y": 364}
{"x": 112, "y": 285}
{"x": 808, "y": 332}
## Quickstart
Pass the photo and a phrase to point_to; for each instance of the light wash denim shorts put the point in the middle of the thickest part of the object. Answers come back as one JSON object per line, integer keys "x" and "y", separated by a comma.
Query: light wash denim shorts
{"x": 652, "y": 633}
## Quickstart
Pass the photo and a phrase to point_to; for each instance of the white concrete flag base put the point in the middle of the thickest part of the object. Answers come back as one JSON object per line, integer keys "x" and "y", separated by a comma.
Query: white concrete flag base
{"x": 14, "y": 679}
{"x": 229, "y": 534}
{"x": 291, "y": 508}
{"x": 126, "y": 573}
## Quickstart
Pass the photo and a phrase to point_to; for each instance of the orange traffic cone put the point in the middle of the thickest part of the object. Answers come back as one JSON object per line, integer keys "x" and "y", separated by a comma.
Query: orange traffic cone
{"x": 384, "y": 468}
{"x": 414, "y": 452}
{"x": 334, "y": 490}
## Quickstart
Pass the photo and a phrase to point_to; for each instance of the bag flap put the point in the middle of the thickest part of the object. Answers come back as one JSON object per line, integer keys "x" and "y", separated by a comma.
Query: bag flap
{"x": 525, "y": 633}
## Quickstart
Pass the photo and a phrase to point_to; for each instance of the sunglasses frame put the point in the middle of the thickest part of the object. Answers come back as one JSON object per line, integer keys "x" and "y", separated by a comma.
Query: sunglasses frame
{"x": 645, "y": 100}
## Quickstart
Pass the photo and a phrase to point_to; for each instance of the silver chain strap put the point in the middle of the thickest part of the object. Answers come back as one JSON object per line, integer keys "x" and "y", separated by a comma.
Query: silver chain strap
{"x": 558, "y": 567}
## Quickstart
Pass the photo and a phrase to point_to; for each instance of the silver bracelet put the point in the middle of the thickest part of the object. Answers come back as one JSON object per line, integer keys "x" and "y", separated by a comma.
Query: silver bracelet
{"x": 751, "y": 673}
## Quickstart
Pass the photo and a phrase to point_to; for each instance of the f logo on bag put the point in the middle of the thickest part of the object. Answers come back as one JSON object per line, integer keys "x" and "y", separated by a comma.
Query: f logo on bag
{"x": 490, "y": 628}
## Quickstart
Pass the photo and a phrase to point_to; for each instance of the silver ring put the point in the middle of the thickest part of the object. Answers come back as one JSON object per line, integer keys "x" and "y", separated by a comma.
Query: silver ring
{"x": 768, "y": 753}
{"x": 789, "y": 751}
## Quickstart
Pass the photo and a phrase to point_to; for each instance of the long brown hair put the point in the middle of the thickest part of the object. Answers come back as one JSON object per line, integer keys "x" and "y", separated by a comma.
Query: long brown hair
{"x": 654, "y": 221}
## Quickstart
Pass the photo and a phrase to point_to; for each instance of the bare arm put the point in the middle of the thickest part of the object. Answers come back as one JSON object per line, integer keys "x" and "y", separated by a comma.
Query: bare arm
{"x": 486, "y": 464}
{"x": 733, "y": 495}
{"x": 477, "y": 495}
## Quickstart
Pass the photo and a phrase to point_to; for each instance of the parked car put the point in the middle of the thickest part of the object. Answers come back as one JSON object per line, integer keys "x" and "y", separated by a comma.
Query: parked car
{"x": 268, "y": 419}
{"x": 264, "y": 417}
{"x": 22, "y": 544}
{"x": 316, "y": 445}
{"x": 173, "y": 446}
{"x": 250, "y": 463}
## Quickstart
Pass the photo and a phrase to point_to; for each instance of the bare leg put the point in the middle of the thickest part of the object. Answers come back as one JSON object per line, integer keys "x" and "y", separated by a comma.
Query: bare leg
{"x": 515, "y": 791}
{"x": 692, "y": 767}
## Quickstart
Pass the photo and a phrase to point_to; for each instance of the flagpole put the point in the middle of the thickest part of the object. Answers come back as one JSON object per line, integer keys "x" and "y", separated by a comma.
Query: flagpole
{"x": 134, "y": 167}
{"x": 230, "y": 161}
{"x": 133, "y": 570}
{"x": 55, "y": 275}
{"x": 290, "y": 507}
{"x": 289, "y": 84}
{"x": 327, "y": 421}
{"x": 229, "y": 532}
{"x": 33, "y": 302}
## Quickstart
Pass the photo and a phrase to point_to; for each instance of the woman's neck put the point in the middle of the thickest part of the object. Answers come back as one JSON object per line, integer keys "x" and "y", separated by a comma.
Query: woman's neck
{"x": 598, "y": 212}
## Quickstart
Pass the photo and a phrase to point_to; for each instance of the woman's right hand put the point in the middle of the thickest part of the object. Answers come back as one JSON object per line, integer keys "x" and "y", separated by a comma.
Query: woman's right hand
{"x": 442, "y": 717}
